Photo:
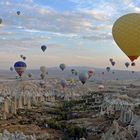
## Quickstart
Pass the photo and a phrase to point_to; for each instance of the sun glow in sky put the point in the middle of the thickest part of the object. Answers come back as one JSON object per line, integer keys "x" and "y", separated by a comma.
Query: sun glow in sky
{"x": 77, "y": 32}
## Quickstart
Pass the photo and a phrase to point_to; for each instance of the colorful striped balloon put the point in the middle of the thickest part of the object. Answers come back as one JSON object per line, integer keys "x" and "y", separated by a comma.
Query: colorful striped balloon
{"x": 20, "y": 67}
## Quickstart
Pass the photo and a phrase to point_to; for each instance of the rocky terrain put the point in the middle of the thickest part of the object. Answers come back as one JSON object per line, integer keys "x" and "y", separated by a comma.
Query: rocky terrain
{"x": 36, "y": 109}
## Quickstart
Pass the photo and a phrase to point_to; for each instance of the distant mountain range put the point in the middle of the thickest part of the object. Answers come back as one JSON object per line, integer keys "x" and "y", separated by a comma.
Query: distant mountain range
{"x": 55, "y": 72}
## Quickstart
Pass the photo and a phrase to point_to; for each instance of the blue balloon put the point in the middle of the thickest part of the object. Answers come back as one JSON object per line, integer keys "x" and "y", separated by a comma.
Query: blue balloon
{"x": 18, "y": 12}
{"x": 20, "y": 64}
{"x": 43, "y": 47}
{"x": 62, "y": 66}
{"x": 20, "y": 67}
{"x": 63, "y": 83}
{"x": 108, "y": 69}
{"x": 83, "y": 77}
{"x": 11, "y": 68}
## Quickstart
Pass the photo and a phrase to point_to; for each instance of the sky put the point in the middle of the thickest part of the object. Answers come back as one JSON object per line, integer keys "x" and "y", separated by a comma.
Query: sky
{"x": 76, "y": 32}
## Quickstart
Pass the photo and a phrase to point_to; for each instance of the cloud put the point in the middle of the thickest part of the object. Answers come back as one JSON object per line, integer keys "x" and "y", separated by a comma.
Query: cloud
{"x": 49, "y": 20}
{"x": 86, "y": 57}
{"x": 63, "y": 31}
{"x": 55, "y": 46}
{"x": 78, "y": 21}
{"x": 95, "y": 15}
{"x": 133, "y": 7}
{"x": 102, "y": 27}
{"x": 15, "y": 45}
{"x": 82, "y": 20}
{"x": 103, "y": 36}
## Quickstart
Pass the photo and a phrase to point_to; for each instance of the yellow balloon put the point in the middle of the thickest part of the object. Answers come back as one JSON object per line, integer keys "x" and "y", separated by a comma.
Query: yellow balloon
{"x": 126, "y": 33}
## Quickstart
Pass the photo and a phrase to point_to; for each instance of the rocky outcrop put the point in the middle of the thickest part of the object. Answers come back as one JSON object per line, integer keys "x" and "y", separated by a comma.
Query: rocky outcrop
{"x": 117, "y": 132}
{"x": 16, "y": 136}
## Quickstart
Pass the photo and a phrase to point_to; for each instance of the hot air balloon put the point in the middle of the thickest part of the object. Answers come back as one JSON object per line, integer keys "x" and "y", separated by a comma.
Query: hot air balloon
{"x": 43, "y": 69}
{"x": 101, "y": 87}
{"x": 133, "y": 72}
{"x": 18, "y": 13}
{"x": 110, "y": 59}
{"x": 90, "y": 73}
{"x": 0, "y": 20}
{"x": 73, "y": 71}
{"x": 72, "y": 81}
{"x": 113, "y": 72}
{"x": 62, "y": 66}
{"x": 123, "y": 88}
{"x": 76, "y": 73}
{"x": 63, "y": 83}
{"x": 20, "y": 67}
{"x": 29, "y": 75}
{"x": 108, "y": 69}
{"x": 127, "y": 64}
{"x": 113, "y": 63}
{"x": 43, "y": 48}
{"x": 24, "y": 58}
{"x": 83, "y": 77}
{"x": 126, "y": 34}
{"x": 21, "y": 56}
{"x": 42, "y": 84}
{"x": 11, "y": 69}
{"x": 133, "y": 64}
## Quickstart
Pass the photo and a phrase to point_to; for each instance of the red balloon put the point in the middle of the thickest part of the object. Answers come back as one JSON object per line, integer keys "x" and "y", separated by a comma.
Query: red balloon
{"x": 90, "y": 73}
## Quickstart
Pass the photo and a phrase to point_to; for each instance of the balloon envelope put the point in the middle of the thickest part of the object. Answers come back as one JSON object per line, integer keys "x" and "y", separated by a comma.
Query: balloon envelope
{"x": 133, "y": 64}
{"x": 63, "y": 83}
{"x": 76, "y": 73}
{"x": 113, "y": 63}
{"x": 18, "y": 12}
{"x": 73, "y": 71}
{"x": 83, "y": 77}
{"x": 43, "y": 69}
{"x": 24, "y": 58}
{"x": 110, "y": 59}
{"x": 29, "y": 75}
{"x": 62, "y": 66}
{"x": 0, "y": 20}
{"x": 126, "y": 33}
{"x": 108, "y": 69}
{"x": 127, "y": 64}
{"x": 20, "y": 67}
{"x": 21, "y": 56}
{"x": 133, "y": 71}
{"x": 11, "y": 69}
{"x": 43, "y": 48}
{"x": 90, "y": 73}
{"x": 101, "y": 87}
